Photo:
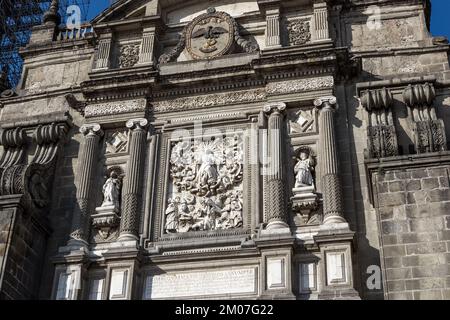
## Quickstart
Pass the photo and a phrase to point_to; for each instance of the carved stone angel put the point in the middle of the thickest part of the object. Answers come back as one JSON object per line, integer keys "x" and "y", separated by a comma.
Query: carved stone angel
{"x": 111, "y": 191}
{"x": 304, "y": 169}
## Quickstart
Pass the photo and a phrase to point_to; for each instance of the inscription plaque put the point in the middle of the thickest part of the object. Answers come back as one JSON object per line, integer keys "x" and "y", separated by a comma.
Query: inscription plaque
{"x": 201, "y": 283}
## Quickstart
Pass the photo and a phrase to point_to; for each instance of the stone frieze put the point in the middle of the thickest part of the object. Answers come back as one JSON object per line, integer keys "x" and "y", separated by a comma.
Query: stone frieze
{"x": 114, "y": 107}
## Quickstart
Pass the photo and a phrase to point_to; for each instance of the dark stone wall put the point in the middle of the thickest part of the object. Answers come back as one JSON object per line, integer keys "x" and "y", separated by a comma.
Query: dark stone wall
{"x": 22, "y": 246}
{"x": 414, "y": 221}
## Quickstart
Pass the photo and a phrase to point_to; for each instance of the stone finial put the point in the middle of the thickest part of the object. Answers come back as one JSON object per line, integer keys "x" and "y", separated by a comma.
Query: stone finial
{"x": 279, "y": 107}
{"x": 52, "y": 15}
{"x": 376, "y": 99}
{"x": 91, "y": 130}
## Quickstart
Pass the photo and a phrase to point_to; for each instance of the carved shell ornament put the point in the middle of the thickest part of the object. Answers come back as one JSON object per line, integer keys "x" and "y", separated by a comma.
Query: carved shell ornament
{"x": 210, "y": 35}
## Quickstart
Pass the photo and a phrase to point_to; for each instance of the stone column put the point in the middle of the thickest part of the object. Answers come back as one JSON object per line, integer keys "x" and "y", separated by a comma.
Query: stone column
{"x": 104, "y": 51}
{"x": 86, "y": 169}
{"x": 132, "y": 189}
{"x": 277, "y": 215}
{"x": 331, "y": 185}
{"x": 273, "y": 39}
{"x": 321, "y": 28}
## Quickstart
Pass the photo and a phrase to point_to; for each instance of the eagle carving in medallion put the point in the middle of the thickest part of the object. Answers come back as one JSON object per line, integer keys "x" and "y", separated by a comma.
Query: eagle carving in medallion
{"x": 210, "y": 35}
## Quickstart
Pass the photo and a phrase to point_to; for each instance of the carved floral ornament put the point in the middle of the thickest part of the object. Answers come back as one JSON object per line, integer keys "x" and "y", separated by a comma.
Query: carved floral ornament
{"x": 299, "y": 32}
{"x": 206, "y": 180}
{"x": 210, "y": 35}
{"x": 129, "y": 55}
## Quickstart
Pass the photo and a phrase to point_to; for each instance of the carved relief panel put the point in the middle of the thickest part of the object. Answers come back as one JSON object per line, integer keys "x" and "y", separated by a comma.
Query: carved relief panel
{"x": 201, "y": 190}
{"x": 206, "y": 186}
{"x": 127, "y": 50}
{"x": 299, "y": 31}
{"x": 303, "y": 121}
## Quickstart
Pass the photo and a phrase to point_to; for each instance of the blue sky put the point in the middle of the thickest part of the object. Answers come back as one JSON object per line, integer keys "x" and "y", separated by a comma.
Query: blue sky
{"x": 440, "y": 24}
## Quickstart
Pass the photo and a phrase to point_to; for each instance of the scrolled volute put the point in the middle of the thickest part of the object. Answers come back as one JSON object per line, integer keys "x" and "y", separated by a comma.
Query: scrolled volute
{"x": 379, "y": 99}
{"x": 420, "y": 95}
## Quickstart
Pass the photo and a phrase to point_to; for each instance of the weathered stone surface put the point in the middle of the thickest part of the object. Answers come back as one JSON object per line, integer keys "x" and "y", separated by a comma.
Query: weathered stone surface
{"x": 217, "y": 79}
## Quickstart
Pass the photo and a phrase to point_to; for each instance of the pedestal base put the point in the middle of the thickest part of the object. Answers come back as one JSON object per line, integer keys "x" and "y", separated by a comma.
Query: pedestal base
{"x": 277, "y": 225}
{"x": 305, "y": 204}
{"x": 106, "y": 221}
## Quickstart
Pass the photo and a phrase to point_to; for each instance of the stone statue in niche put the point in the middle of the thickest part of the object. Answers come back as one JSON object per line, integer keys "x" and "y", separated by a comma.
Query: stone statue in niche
{"x": 111, "y": 190}
{"x": 106, "y": 220}
{"x": 305, "y": 201}
{"x": 207, "y": 186}
{"x": 304, "y": 169}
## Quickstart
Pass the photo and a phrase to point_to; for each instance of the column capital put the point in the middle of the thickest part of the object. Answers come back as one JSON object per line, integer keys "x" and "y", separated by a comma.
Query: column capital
{"x": 137, "y": 124}
{"x": 274, "y": 108}
{"x": 92, "y": 130}
{"x": 326, "y": 103}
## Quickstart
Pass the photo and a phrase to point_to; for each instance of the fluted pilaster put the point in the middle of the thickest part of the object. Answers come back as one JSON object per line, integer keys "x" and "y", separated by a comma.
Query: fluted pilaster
{"x": 147, "y": 47}
{"x": 320, "y": 19}
{"x": 273, "y": 29}
{"x": 86, "y": 169}
{"x": 276, "y": 215}
{"x": 104, "y": 51}
{"x": 132, "y": 189}
{"x": 331, "y": 185}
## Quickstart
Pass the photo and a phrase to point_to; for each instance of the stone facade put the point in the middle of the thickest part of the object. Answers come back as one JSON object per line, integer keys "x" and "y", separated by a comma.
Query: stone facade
{"x": 257, "y": 149}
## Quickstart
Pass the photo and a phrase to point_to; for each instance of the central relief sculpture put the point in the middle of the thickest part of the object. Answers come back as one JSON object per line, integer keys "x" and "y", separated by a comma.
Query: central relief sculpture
{"x": 206, "y": 178}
